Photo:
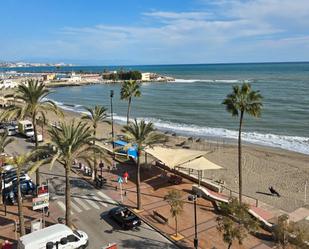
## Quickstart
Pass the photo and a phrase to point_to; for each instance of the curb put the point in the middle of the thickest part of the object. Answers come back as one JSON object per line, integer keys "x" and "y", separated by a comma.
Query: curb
{"x": 143, "y": 219}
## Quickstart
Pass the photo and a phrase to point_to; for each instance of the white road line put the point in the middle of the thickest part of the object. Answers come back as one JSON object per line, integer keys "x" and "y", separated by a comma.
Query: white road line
{"x": 76, "y": 208}
{"x": 61, "y": 204}
{"x": 92, "y": 203}
{"x": 80, "y": 202}
{"x": 106, "y": 197}
{"x": 100, "y": 201}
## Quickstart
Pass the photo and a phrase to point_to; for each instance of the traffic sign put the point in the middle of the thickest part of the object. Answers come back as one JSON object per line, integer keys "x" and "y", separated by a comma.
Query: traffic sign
{"x": 40, "y": 202}
{"x": 42, "y": 190}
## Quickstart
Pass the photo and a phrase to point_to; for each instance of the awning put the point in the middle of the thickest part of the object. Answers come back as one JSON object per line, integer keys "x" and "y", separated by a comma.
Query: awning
{"x": 200, "y": 163}
{"x": 174, "y": 157}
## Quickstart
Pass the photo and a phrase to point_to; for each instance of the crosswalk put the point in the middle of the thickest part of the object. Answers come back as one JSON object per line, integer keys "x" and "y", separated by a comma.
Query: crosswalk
{"x": 82, "y": 203}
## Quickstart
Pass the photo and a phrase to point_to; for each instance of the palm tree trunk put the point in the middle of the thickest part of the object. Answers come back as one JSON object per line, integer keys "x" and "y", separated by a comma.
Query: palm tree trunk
{"x": 94, "y": 173}
{"x": 67, "y": 196}
{"x": 239, "y": 157}
{"x": 37, "y": 173}
{"x": 20, "y": 206}
{"x": 128, "y": 112}
{"x": 138, "y": 181}
{"x": 176, "y": 225}
{"x": 1, "y": 199}
{"x": 229, "y": 246}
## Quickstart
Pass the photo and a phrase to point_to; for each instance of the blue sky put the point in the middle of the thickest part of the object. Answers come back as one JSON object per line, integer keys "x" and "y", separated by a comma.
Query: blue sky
{"x": 102, "y": 32}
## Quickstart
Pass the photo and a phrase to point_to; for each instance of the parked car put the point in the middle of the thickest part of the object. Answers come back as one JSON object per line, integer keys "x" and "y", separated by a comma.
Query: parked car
{"x": 8, "y": 196}
{"x": 39, "y": 137}
{"x": 10, "y": 176}
{"x": 27, "y": 187}
{"x": 11, "y": 130}
{"x": 46, "y": 238}
{"x": 124, "y": 217}
{"x": 25, "y": 128}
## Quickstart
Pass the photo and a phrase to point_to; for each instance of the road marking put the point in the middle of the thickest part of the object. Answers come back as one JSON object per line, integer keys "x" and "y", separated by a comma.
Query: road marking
{"x": 77, "y": 209}
{"x": 100, "y": 201}
{"x": 92, "y": 203}
{"x": 106, "y": 197}
{"x": 80, "y": 202}
{"x": 61, "y": 204}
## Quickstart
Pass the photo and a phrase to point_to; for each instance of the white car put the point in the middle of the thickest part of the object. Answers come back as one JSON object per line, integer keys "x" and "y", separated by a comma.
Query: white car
{"x": 39, "y": 137}
{"x": 11, "y": 130}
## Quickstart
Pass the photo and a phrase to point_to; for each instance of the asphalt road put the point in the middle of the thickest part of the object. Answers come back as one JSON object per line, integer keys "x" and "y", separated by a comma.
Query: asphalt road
{"x": 90, "y": 207}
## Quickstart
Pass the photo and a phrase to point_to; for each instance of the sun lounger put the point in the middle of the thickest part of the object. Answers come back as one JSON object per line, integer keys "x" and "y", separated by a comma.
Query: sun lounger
{"x": 208, "y": 194}
{"x": 259, "y": 214}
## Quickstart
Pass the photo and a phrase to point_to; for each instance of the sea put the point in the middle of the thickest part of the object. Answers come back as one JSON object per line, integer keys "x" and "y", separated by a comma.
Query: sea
{"x": 192, "y": 105}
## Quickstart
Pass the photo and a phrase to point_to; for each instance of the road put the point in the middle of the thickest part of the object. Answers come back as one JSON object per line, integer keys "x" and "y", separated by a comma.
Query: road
{"x": 90, "y": 207}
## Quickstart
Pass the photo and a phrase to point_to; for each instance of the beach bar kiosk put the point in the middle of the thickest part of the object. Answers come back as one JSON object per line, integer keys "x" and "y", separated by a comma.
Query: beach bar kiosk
{"x": 130, "y": 152}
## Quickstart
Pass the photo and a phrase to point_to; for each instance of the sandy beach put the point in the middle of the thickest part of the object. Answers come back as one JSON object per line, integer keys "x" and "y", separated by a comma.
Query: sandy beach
{"x": 263, "y": 167}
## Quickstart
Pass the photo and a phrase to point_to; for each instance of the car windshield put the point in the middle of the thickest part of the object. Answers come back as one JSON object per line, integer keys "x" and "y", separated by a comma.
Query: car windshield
{"x": 77, "y": 233}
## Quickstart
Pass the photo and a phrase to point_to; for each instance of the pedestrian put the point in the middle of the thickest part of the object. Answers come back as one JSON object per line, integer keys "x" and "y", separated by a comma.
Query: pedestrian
{"x": 125, "y": 176}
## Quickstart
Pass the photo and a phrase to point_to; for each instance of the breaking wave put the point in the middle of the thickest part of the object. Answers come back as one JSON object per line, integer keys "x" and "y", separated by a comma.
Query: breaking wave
{"x": 211, "y": 81}
{"x": 292, "y": 143}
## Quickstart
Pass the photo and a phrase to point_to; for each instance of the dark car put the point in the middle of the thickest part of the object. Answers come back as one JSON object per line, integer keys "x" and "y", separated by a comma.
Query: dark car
{"x": 27, "y": 187}
{"x": 124, "y": 217}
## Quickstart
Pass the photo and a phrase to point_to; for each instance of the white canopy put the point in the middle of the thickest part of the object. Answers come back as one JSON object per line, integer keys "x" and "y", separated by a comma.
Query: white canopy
{"x": 200, "y": 163}
{"x": 174, "y": 157}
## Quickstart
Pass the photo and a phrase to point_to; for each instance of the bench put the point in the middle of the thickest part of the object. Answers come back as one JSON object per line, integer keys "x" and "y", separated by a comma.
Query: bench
{"x": 174, "y": 179}
{"x": 159, "y": 217}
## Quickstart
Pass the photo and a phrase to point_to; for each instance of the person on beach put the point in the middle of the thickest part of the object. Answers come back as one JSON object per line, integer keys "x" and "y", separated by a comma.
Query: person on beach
{"x": 125, "y": 176}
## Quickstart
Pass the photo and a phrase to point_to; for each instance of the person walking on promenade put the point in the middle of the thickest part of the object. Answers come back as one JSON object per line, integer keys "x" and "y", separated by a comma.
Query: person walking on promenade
{"x": 125, "y": 176}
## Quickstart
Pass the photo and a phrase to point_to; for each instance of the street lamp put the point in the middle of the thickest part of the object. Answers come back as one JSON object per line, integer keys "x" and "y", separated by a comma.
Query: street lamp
{"x": 194, "y": 198}
{"x": 63, "y": 241}
{"x": 112, "y": 117}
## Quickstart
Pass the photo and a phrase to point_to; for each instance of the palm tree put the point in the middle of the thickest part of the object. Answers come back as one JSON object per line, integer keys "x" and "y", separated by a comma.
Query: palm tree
{"x": 20, "y": 162}
{"x": 33, "y": 104}
{"x": 174, "y": 199}
{"x": 128, "y": 90}
{"x": 95, "y": 115}
{"x": 243, "y": 100}
{"x": 4, "y": 141}
{"x": 70, "y": 141}
{"x": 235, "y": 223}
{"x": 141, "y": 135}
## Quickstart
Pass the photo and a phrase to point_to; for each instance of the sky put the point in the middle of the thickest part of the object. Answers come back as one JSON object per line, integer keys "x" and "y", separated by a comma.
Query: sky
{"x": 137, "y": 32}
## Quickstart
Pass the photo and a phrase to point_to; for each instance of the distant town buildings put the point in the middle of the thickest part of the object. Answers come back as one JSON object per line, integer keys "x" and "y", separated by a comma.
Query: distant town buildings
{"x": 27, "y": 64}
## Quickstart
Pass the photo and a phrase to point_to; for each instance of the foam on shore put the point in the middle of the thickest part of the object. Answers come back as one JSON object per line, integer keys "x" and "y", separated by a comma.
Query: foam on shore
{"x": 229, "y": 81}
{"x": 292, "y": 143}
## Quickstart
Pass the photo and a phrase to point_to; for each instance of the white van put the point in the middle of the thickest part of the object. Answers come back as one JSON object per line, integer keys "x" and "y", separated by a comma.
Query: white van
{"x": 25, "y": 128}
{"x": 54, "y": 234}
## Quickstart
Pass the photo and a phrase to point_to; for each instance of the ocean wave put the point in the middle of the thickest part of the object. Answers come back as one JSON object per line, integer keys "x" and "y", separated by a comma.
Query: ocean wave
{"x": 230, "y": 81}
{"x": 292, "y": 143}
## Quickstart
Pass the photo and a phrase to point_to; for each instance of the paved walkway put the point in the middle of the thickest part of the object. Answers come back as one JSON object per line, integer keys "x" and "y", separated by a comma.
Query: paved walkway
{"x": 154, "y": 188}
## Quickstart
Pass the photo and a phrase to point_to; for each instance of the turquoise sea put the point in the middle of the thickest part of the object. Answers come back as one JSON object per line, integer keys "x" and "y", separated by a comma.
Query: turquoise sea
{"x": 193, "y": 104}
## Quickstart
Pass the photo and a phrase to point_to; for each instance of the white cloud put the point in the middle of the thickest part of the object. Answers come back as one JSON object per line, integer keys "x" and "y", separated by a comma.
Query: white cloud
{"x": 178, "y": 15}
{"x": 229, "y": 30}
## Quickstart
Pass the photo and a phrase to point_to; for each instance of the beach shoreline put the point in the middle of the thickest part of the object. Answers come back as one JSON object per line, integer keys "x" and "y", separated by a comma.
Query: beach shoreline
{"x": 286, "y": 171}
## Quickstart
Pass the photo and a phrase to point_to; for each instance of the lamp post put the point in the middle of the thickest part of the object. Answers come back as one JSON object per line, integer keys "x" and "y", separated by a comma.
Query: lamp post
{"x": 4, "y": 199}
{"x": 194, "y": 198}
{"x": 112, "y": 117}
